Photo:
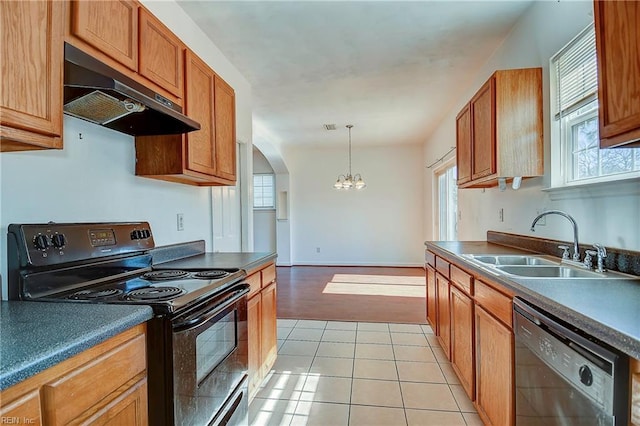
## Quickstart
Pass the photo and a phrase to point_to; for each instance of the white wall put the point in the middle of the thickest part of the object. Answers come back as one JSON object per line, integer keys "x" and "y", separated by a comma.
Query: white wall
{"x": 605, "y": 216}
{"x": 264, "y": 220}
{"x": 92, "y": 179}
{"x": 381, "y": 225}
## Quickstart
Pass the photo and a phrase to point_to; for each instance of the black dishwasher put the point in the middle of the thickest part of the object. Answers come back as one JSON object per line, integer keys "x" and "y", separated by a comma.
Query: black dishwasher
{"x": 564, "y": 377}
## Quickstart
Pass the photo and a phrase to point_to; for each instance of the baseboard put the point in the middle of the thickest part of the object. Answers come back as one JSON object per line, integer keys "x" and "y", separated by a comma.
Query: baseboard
{"x": 367, "y": 264}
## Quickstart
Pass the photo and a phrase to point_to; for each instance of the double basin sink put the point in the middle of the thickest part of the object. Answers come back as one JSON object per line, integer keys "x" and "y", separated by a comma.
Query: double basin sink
{"x": 537, "y": 267}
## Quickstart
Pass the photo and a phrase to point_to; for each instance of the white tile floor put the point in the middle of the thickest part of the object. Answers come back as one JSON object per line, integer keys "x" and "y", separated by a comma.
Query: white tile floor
{"x": 334, "y": 373}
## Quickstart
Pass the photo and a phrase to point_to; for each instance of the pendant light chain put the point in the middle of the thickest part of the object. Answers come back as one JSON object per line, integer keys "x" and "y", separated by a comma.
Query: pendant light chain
{"x": 349, "y": 126}
{"x": 349, "y": 181}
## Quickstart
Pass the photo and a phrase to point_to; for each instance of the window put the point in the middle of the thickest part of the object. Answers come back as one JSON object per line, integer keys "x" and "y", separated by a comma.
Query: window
{"x": 574, "y": 136}
{"x": 447, "y": 193}
{"x": 263, "y": 191}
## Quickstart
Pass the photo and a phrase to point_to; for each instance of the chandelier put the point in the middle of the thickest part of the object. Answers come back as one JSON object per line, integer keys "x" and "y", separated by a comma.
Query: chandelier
{"x": 349, "y": 182}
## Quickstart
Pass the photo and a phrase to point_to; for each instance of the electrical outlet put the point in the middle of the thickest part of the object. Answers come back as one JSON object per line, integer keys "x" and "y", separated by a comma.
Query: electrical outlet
{"x": 317, "y": 249}
{"x": 501, "y": 215}
{"x": 543, "y": 220}
{"x": 180, "y": 221}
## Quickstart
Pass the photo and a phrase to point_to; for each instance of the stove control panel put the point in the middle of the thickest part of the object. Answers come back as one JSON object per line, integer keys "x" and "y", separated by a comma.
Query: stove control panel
{"x": 56, "y": 243}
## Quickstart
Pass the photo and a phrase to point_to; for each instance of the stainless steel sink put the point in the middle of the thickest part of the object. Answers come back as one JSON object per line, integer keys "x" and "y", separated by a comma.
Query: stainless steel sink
{"x": 510, "y": 260}
{"x": 548, "y": 272}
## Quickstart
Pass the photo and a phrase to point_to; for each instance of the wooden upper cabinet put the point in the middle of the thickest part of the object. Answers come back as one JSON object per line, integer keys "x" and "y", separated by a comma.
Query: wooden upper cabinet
{"x": 618, "y": 51}
{"x": 201, "y": 154}
{"x": 205, "y": 157}
{"x": 463, "y": 144}
{"x": 161, "y": 54}
{"x": 109, "y": 26}
{"x": 32, "y": 65}
{"x": 225, "y": 130}
{"x": 506, "y": 133}
{"x": 483, "y": 121}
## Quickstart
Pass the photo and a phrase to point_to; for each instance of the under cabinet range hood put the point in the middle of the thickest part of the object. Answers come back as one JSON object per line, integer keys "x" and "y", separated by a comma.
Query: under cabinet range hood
{"x": 97, "y": 93}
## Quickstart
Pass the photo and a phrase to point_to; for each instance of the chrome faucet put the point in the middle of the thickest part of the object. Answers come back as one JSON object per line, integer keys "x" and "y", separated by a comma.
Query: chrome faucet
{"x": 576, "y": 249}
{"x": 601, "y": 252}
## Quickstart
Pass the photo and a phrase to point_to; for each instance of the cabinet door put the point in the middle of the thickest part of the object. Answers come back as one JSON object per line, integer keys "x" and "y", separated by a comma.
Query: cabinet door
{"x": 618, "y": 50}
{"x": 432, "y": 315}
{"x": 200, "y": 80}
{"x": 255, "y": 357}
{"x": 31, "y": 85}
{"x": 483, "y": 132}
{"x": 161, "y": 54}
{"x": 444, "y": 321}
{"x": 494, "y": 370}
{"x": 225, "y": 130}
{"x": 462, "y": 339}
{"x": 269, "y": 338}
{"x": 463, "y": 145}
{"x": 634, "y": 398}
{"x": 109, "y": 26}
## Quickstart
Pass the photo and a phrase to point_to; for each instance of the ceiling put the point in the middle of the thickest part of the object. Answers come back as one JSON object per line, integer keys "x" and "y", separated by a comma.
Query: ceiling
{"x": 391, "y": 68}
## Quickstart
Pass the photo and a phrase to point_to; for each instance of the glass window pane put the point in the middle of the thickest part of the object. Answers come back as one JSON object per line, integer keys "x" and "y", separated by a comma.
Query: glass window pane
{"x": 617, "y": 160}
{"x": 263, "y": 191}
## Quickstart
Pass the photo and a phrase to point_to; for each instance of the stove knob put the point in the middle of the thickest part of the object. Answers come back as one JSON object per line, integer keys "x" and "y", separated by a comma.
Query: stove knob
{"x": 146, "y": 233}
{"x": 586, "y": 377}
{"x": 58, "y": 240}
{"x": 135, "y": 235}
{"x": 41, "y": 242}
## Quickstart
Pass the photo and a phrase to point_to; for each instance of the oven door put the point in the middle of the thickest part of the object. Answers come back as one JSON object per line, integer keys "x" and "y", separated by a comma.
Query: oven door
{"x": 210, "y": 361}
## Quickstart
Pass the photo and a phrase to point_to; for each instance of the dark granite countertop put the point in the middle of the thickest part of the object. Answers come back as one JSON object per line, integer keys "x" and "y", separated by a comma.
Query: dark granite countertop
{"x": 246, "y": 261}
{"x": 607, "y": 310}
{"x": 37, "y": 335}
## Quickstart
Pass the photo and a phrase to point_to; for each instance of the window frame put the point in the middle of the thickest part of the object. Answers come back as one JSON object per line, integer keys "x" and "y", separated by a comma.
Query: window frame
{"x": 561, "y": 139}
{"x": 273, "y": 195}
{"x": 439, "y": 171}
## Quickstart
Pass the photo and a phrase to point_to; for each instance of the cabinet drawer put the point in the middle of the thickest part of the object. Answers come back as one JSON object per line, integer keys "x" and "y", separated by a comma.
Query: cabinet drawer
{"x": 462, "y": 279}
{"x": 494, "y": 302}
{"x": 430, "y": 258}
{"x": 442, "y": 266}
{"x": 268, "y": 275}
{"x": 254, "y": 282}
{"x": 26, "y": 408}
{"x": 72, "y": 394}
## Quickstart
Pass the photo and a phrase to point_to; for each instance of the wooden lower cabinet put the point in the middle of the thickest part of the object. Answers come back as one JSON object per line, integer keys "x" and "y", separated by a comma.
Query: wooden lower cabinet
{"x": 269, "y": 336}
{"x": 444, "y": 321}
{"x": 254, "y": 317}
{"x": 494, "y": 369}
{"x": 635, "y": 392}
{"x": 462, "y": 345}
{"x": 104, "y": 385}
{"x": 262, "y": 326}
{"x": 473, "y": 322}
{"x": 431, "y": 298}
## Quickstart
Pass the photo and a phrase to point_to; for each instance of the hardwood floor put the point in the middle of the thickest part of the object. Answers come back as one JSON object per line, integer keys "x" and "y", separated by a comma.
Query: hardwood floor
{"x": 346, "y": 293}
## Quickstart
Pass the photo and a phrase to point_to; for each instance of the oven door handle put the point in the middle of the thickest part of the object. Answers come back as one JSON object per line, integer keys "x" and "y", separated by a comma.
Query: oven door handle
{"x": 198, "y": 318}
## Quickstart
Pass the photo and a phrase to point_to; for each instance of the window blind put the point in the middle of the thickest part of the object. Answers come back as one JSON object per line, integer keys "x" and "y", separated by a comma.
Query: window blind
{"x": 576, "y": 73}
